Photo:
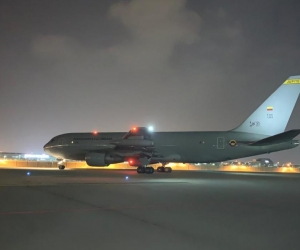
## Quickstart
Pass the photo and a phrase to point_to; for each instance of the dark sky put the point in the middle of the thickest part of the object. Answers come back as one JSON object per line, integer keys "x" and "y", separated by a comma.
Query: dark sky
{"x": 71, "y": 66}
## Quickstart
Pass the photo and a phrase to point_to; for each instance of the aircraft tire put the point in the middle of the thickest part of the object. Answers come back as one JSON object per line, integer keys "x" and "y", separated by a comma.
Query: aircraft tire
{"x": 140, "y": 170}
{"x": 160, "y": 169}
{"x": 168, "y": 169}
{"x": 149, "y": 170}
{"x": 61, "y": 167}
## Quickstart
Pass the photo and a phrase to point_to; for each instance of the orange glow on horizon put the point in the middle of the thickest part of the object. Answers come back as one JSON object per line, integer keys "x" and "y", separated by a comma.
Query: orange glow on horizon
{"x": 2, "y": 161}
{"x": 287, "y": 170}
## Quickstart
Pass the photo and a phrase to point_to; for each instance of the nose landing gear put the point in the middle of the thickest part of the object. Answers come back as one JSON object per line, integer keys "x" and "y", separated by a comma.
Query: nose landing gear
{"x": 61, "y": 167}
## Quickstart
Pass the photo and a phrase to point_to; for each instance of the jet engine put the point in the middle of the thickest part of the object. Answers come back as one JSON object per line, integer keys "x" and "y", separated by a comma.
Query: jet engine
{"x": 102, "y": 159}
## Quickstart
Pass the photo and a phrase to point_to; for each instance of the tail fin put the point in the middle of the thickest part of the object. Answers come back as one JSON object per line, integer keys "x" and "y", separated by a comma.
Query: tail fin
{"x": 271, "y": 117}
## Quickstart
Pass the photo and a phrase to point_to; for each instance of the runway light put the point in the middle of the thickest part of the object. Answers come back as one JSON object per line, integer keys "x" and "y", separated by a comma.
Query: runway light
{"x": 134, "y": 129}
{"x": 126, "y": 177}
{"x": 28, "y": 173}
{"x": 95, "y": 132}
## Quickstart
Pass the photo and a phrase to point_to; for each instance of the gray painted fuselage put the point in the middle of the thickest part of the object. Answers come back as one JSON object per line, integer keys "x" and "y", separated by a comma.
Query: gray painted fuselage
{"x": 187, "y": 147}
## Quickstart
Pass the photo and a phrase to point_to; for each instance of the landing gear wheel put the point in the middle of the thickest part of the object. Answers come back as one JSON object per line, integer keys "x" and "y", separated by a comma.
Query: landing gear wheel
{"x": 164, "y": 169}
{"x": 149, "y": 170}
{"x": 61, "y": 167}
{"x": 140, "y": 170}
{"x": 168, "y": 169}
{"x": 160, "y": 169}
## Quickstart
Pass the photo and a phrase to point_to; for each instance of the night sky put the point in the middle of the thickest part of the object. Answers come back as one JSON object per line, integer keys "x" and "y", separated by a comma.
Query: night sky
{"x": 78, "y": 66}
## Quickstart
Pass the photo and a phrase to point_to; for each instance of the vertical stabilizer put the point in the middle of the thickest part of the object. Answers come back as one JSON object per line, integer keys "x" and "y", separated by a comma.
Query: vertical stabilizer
{"x": 272, "y": 116}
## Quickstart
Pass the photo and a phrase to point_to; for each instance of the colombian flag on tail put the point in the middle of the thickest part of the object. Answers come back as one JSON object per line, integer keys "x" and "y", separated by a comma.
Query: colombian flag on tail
{"x": 269, "y": 108}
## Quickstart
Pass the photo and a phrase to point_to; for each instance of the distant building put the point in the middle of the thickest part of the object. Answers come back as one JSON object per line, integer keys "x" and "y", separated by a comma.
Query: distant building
{"x": 265, "y": 162}
{"x": 28, "y": 157}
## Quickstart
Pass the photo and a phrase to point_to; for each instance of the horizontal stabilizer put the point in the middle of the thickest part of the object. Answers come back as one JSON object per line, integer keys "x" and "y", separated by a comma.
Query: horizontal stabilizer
{"x": 282, "y": 137}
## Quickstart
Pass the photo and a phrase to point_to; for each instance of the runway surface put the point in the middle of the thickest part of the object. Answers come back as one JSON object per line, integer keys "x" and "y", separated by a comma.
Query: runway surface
{"x": 101, "y": 209}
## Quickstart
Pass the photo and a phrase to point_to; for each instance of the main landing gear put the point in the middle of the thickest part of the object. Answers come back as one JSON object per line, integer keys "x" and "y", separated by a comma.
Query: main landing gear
{"x": 164, "y": 169}
{"x": 150, "y": 170}
{"x": 145, "y": 170}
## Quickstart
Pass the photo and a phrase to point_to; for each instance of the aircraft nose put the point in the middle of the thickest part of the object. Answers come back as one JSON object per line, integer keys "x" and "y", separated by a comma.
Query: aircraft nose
{"x": 46, "y": 146}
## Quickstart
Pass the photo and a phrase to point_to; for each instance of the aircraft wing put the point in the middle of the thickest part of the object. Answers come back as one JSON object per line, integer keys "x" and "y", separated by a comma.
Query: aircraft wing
{"x": 136, "y": 139}
{"x": 282, "y": 137}
{"x": 138, "y": 133}
{"x": 137, "y": 142}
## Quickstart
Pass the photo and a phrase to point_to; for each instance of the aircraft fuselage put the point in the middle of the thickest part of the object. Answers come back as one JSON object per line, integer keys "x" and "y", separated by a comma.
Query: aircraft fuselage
{"x": 187, "y": 147}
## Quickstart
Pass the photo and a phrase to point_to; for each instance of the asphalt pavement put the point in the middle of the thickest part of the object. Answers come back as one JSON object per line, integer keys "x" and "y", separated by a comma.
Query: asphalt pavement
{"x": 120, "y": 209}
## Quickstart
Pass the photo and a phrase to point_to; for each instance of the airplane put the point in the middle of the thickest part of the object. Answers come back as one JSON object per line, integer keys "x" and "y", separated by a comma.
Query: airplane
{"x": 262, "y": 132}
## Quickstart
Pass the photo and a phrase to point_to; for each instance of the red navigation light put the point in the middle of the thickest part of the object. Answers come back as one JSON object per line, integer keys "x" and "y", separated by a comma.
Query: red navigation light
{"x": 134, "y": 129}
{"x": 131, "y": 162}
{"x": 95, "y": 132}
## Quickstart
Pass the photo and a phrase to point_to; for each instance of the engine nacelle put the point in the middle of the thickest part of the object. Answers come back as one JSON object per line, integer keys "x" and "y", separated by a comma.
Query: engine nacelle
{"x": 102, "y": 159}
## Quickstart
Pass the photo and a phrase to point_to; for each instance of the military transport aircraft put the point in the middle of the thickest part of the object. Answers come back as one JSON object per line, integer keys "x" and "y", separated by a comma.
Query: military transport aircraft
{"x": 262, "y": 132}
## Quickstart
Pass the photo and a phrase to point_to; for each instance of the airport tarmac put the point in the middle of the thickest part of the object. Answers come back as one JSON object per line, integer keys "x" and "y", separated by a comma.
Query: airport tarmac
{"x": 102, "y": 209}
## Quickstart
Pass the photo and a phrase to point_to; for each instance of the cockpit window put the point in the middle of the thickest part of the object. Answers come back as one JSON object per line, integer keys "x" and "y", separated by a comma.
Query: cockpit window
{"x": 52, "y": 140}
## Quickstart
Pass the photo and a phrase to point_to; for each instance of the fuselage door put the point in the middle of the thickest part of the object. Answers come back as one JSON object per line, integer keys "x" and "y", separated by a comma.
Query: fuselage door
{"x": 220, "y": 142}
